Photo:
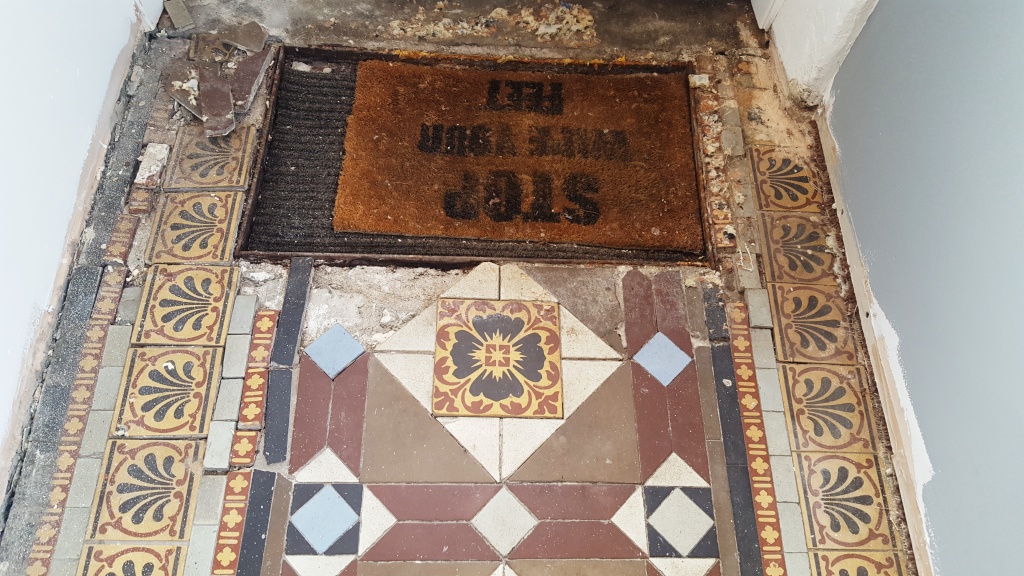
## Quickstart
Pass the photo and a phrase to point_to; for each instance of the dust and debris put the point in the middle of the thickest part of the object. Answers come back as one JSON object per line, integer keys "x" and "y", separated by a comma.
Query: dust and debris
{"x": 151, "y": 164}
{"x": 136, "y": 260}
{"x": 264, "y": 280}
{"x": 570, "y": 24}
{"x": 371, "y": 302}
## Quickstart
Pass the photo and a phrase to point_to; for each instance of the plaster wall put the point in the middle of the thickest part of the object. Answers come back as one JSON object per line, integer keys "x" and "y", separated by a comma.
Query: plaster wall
{"x": 925, "y": 119}
{"x": 61, "y": 85}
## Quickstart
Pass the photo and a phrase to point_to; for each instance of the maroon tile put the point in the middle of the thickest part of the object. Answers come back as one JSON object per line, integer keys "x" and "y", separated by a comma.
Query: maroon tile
{"x": 638, "y": 304}
{"x": 670, "y": 307}
{"x": 652, "y": 423}
{"x": 248, "y": 76}
{"x": 347, "y": 409}
{"x": 312, "y": 410}
{"x": 427, "y": 542}
{"x": 215, "y": 101}
{"x": 432, "y": 502}
{"x": 572, "y": 501}
{"x": 350, "y": 570}
{"x": 716, "y": 570}
{"x": 651, "y": 570}
{"x": 684, "y": 413}
{"x": 287, "y": 570}
{"x": 567, "y": 540}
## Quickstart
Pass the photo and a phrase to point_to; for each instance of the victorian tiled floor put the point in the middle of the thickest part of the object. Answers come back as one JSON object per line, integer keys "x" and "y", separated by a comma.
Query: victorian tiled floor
{"x": 523, "y": 419}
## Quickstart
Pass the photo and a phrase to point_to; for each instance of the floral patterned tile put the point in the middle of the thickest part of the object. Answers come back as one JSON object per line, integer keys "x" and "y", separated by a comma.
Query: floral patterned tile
{"x": 167, "y": 392}
{"x": 811, "y": 324}
{"x": 187, "y": 305}
{"x": 796, "y": 248}
{"x": 198, "y": 162}
{"x": 784, "y": 182}
{"x": 195, "y": 227}
{"x": 108, "y": 560}
{"x": 147, "y": 490}
{"x": 845, "y": 501}
{"x": 828, "y": 408}
{"x": 497, "y": 358}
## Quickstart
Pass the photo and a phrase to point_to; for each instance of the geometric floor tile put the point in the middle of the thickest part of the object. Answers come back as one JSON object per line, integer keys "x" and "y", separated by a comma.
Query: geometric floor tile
{"x": 167, "y": 392}
{"x": 631, "y": 519}
{"x": 324, "y": 520}
{"x": 319, "y": 565}
{"x": 574, "y": 567}
{"x": 198, "y": 162}
{"x": 662, "y": 358}
{"x": 683, "y": 566}
{"x": 430, "y": 569}
{"x": 424, "y": 542}
{"x": 578, "y": 341}
{"x": 784, "y": 183}
{"x": 325, "y": 468}
{"x": 811, "y": 324}
{"x": 481, "y": 437}
{"x": 504, "y": 521}
{"x": 375, "y": 520}
{"x": 435, "y": 502}
{"x": 680, "y": 522}
{"x": 147, "y": 490}
{"x": 195, "y": 227}
{"x": 184, "y": 304}
{"x": 674, "y": 471}
{"x": 497, "y": 358}
{"x": 576, "y": 540}
{"x": 334, "y": 350}
{"x": 137, "y": 560}
{"x": 828, "y": 408}
{"x": 844, "y": 501}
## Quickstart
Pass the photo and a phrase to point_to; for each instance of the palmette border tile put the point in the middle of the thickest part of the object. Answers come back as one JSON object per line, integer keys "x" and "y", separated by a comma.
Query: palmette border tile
{"x": 147, "y": 490}
{"x": 232, "y": 521}
{"x": 195, "y": 227}
{"x": 828, "y": 408}
{"x": 198, "y": 162}
{"x": 136, "y": 560}
{"x": 796, "y": 248}
{"x": 103, "y": 314}
{"x": 140, "y": 201}
{"x": 857, "y": 563}
{"x": 167, "y": 392}
{"x": 762, "y": 484}
{"x": 811, "y": 325}
{"x": 186, "y": 305}
{"x": 783, "y": 182}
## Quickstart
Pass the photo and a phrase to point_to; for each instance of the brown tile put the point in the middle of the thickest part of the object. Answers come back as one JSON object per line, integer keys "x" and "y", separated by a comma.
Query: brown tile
{"x": 598, "y": 443}
{"x": 652, "y": 571}
{"x": 140, "y": 201}
{"x": 198, "y": 162}
{"x": 425, "y": 569}
{"x": 162, "y": 470}
{"x": 811, "y": 324}
{"x": 828, "y": 408}
{"x": 591, "y": 294}
{"x": 121, "y": 238}
{"x": 150, "y": 560}
{"x": 215, "y": 101}
{"x": 783, "y": 181}
{"x": 209, "y": 47}
{"x": 250, "y": 36}
{"x": 403, "y": 443}
{"x": 247, "y": 77}
{"x": 575, "y": 540}
{"x": 725, "y": 527}
{"x": 434, "y": 502}
{"x": 187, "y": 305}
{"x": 425, "y": 542}
{"x": 572, "y": 501}
{"x": 638, "y": 303}
{"x": 167, "y": 392}
{"x": 858, "y": 563}
{"x": 313, "y": 410}
{"x": 844, "y": 501}
{"x": 670, "y": 308}
{"x": 708, "y": 394}
{"x": 195, "y": 227}
{"x": 497, "y": 358}
{"x": 684, "y": 411}
{"x": 348, "y": 407}
{"x": 579, "y": 567}
{"x": 654, "y": 434}
{"x": 277, "y": 527}
{"x": 796, "y": 249}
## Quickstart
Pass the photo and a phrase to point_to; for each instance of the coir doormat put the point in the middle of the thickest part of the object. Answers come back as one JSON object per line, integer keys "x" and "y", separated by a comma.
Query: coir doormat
{"x": 447, "y": 151}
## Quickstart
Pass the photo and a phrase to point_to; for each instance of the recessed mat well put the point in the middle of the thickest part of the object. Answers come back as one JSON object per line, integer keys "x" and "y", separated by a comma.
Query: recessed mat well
{"x": 580, "y": 197}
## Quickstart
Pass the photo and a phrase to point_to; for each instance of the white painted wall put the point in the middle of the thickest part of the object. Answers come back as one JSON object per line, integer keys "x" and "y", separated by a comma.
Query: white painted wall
{"x": 812, "y": 37}
{"x": 66, "y": 60}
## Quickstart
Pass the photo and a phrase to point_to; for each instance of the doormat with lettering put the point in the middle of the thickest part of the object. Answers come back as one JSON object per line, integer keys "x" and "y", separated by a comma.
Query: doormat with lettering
{"x": 594, "y": 159}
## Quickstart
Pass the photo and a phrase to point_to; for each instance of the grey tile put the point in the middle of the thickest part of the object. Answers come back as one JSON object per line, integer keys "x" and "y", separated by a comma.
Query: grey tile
{"x": 759, "y": 310}
{"x": 201, "y": 547}
{"x": 242, "y": 314}
{"x": 72, "y": 533}
{"x": 218, "y": 447}
{"x": 115, "y": 351}
{"x": 732, "y": 141}
{"x": 94, "y": 440}
{"x": 730, "y": 113}
{"x": 797, "y": 564}
{"x": 771, "y": 391}
{"x": 778, "y": 436}
{"x": 209, "y": 500}
{"x": 128, "y": 307}
{"x": 764, "y": 348}
{"x": 63, "y": 567}
{"x": 108, "y": 383}
{"x": 83, "y": 486}
{"x": 747, "y": 271}
{"x": 229, "y": 397}
{"x": 792, "y": 521}
{"x": 785, "y": 479}
{"x": 236, "y": 352}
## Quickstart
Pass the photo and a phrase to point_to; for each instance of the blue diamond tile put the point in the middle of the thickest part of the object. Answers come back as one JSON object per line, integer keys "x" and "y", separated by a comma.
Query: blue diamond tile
{"x": 662, "y": 358}
{"x": 334, "y": 351}
{"x": 324, "y": 518}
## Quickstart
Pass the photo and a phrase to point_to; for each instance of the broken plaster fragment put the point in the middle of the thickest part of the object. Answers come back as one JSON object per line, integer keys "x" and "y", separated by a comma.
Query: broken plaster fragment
{"x": 250, "y": 36}
{"x": 151, "y": 163}
{"x": 699, "y": 81}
